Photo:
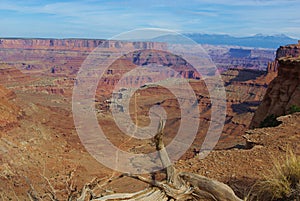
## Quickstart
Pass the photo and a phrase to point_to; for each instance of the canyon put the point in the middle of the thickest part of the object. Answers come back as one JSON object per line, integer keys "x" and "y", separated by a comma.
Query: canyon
{"x": 49, "y": 67}
{"x": 37, "y": 77}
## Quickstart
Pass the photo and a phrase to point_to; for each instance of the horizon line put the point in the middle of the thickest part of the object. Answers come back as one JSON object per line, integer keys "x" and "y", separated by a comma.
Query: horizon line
{"x": 189, "y": 33}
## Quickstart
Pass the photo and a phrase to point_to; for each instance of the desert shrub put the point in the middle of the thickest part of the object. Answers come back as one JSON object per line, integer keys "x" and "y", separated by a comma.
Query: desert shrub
{"x": 294, "y": 109}
{"x": 269, "y": 121}
{"x": 282, "y": 184}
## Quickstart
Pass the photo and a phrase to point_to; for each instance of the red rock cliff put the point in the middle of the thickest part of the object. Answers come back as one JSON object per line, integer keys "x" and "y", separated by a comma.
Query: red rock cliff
{"x": 284, "y": 90}
{"x": 73, "y": 44}
{"x": 8, "y": 110}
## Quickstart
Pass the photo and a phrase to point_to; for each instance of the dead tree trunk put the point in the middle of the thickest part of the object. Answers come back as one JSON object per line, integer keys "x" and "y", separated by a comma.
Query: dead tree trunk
{"x": 179, "y": 186}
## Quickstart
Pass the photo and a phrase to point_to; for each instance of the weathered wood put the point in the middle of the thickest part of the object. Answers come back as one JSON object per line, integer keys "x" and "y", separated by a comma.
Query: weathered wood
{"x": 179, "y": 186}
{"x": 150, "y": 194}
{"x": 164, "y": 157}
{"x": 218, "y": 190}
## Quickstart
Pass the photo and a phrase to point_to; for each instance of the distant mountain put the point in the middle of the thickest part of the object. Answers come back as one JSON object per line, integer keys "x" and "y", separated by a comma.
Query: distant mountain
{"x": 256, "y": 41}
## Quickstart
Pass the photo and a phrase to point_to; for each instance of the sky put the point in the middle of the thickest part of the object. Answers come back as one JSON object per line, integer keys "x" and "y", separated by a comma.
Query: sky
{"x": 105, "y": 19}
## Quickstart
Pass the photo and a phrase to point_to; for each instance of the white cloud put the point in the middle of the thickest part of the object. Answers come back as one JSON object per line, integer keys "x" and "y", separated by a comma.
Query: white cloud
{"x": 98, "y": 18}
{"x": 249, "y": 2}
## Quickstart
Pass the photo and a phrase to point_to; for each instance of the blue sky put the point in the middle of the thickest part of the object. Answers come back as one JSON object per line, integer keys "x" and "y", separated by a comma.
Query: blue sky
{"x": 104, "y": 19}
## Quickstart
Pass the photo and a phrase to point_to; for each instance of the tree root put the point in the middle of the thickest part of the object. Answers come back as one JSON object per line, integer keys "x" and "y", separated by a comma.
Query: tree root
{"x": 179, "y": 186}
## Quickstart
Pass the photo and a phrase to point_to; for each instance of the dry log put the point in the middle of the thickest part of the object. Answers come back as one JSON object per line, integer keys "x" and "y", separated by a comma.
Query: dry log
{"x": 179, "y": 186}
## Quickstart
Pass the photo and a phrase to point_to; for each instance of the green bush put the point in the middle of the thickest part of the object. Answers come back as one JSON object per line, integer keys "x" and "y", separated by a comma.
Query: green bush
{"x": 294, "y": 109}
{"x": 269, "y": 121}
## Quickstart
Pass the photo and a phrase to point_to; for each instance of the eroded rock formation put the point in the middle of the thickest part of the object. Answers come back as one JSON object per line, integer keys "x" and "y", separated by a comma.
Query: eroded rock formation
{"x": 284, "y": 90}
{"x": 72, "y": 44}
{"x": 8, "y": 110}
{"x": 50, "y": 66}
{"x": 42, "y": 78}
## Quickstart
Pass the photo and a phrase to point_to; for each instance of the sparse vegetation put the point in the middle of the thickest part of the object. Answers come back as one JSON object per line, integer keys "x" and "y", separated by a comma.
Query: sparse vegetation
{"x": 293, "y": 109}
{"x": 270, "y": 121}
{"x": 282, "y": 184}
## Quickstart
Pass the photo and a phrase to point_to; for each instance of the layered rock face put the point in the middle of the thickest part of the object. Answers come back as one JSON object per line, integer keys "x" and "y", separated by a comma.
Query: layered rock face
{"x": 230, "y": 57}
{"x": 289, "y": 51}
{"x": 73, "y": 44}
{"x": 284, "y": 90}
{"x": 8, "y": 110}
{"x": 41, "y": 73}
{"x": 49, "y": 67}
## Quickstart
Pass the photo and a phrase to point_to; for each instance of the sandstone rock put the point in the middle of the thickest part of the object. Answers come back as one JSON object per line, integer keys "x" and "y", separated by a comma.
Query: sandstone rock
{"x": 72, "y": 44}
{"x": 9, "y": 111}
{"x": 284, "y": 90}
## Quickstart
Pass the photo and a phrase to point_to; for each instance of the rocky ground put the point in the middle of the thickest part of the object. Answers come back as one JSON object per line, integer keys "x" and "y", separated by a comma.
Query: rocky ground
{"x": 41, "y": 153}
{"x": 242, "y": 165}
{"x": 44, "y": 148}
